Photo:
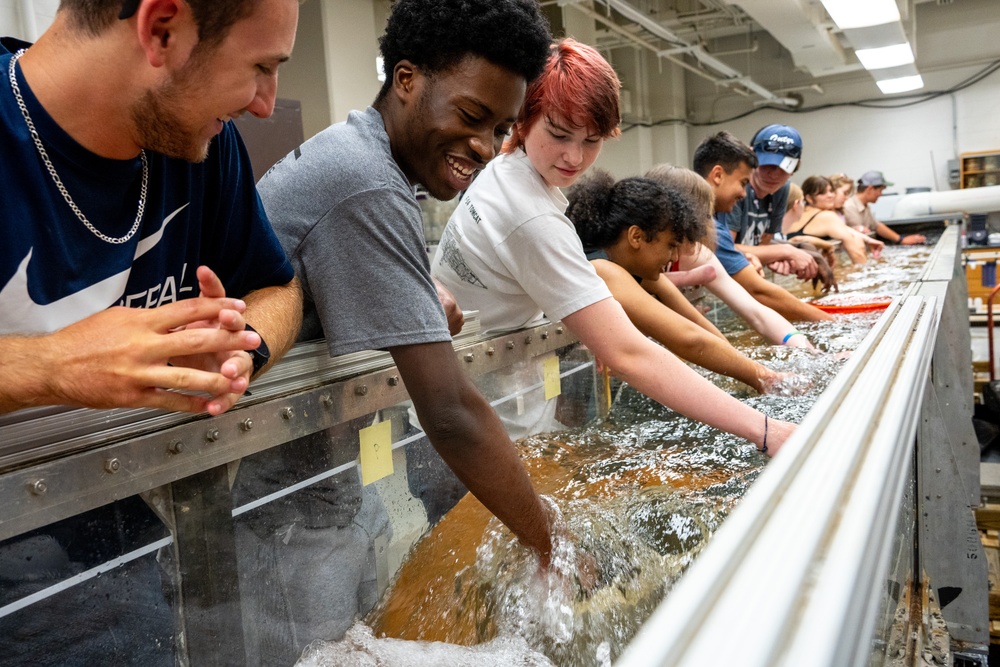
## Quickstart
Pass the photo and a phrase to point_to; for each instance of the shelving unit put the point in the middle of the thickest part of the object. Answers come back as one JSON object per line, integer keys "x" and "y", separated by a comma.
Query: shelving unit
{"x": 980, "y": 277}
{"x": 979, "y": 169}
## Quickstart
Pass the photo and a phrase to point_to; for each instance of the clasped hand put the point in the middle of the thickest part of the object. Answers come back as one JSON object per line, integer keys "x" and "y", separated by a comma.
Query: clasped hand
{"x": 186, "y": 356}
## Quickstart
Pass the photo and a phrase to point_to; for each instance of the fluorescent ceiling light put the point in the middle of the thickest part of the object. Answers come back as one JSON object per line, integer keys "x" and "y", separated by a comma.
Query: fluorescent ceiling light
{"x": 886, "y": 56}
{"x": 900, "y": 85}
{"x": 861, "y": 13}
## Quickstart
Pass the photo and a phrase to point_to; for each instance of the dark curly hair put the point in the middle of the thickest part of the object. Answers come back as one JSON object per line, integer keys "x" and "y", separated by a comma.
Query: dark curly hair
{"x": 722, "y": 149}
{"x": 214, "y": 18}
{"x": 602, "y": 209}
{"x": 436, "y": 34}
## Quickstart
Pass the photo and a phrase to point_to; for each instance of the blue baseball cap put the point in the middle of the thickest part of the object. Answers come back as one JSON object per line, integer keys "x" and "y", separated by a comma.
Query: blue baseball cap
{"x": 779, "y": 145}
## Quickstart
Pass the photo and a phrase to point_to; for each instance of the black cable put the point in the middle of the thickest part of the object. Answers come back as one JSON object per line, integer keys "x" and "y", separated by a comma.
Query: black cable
{"x": 873, "y": 103}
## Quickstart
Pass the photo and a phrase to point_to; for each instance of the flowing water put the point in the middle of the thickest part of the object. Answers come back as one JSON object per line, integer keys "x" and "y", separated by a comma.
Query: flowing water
{"x": 635, "y": 498}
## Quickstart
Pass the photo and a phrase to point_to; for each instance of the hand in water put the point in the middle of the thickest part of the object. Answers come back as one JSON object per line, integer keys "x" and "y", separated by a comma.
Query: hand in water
{"x": 913, "y": 239}
{"x": 576, "y": 571}
{"x": 876, "y": 247}
{"x": 777, "y": 433}
{"x": 787, "y": 384}
{"x": 586, "y": 571}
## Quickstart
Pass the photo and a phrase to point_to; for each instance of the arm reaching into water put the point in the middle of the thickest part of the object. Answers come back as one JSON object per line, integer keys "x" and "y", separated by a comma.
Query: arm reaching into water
{"x": 828, "y": 224}
{"x": 468, "y": 435}
{"x": 699, "y": 275}
{"x": 667, "y": 292}
{"x": 777, "y": 298}
{"x": 767, "y": 322}
{"x": 681, "y": 336}
{"x": 792, "y": 259}
{"x": 606, "y": 330}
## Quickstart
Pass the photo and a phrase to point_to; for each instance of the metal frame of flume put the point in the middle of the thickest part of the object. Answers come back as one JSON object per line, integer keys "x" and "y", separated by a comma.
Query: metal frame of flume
{"x": 871, "y": 498}
{"x": 56, "y": 463}
{"x": 872, "y": 495}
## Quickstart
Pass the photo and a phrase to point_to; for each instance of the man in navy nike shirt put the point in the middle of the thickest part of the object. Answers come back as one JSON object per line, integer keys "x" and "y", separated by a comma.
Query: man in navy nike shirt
{"x": 138, "y": 269}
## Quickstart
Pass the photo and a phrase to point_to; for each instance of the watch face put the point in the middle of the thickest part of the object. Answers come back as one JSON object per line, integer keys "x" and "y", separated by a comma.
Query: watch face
{"x": 260, "y": 358}
{"x": 262, "y": 350}
{"x": 261, "y": 355}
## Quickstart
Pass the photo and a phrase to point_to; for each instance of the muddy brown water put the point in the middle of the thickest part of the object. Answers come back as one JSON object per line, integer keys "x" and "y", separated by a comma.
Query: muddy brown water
{"x": 639, "y": 494}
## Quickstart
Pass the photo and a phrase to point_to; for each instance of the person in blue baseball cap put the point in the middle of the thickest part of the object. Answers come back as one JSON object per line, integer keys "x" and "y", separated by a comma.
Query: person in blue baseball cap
{"x": 727, "y": 163}
{"x": 778, "y": 145}
{"x": 756, "y": 218}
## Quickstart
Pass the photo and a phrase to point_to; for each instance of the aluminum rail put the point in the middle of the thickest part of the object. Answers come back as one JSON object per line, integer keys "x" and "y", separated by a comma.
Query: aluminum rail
{"x": 796, "y": 575}
{"x": 52, "y": 477}
{"x": 64, "y": 463}
{"x": 793, "y": 571}
{"x": 37, "y": 434}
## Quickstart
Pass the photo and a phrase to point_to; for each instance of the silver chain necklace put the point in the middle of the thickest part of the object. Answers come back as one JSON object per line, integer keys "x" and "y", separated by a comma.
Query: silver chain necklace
{"x": 58, "y": 181}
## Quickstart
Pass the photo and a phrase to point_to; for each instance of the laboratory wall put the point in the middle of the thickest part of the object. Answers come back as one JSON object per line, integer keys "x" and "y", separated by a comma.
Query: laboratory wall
{"x": 333, "y": 70}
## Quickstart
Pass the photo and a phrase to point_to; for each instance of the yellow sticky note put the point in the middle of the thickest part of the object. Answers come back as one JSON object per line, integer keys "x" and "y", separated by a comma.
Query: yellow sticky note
{"x": 606, "y": 373}
{"x": 550, "y": 371}
{"x": 376, "y": 452}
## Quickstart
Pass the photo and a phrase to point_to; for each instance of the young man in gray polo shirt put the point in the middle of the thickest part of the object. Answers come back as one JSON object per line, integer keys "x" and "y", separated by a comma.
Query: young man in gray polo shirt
{"x": 858, "y": 212}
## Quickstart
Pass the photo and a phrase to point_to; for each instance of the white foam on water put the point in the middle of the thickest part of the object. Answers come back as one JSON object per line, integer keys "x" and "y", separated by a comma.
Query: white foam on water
{"x": 360, "y": 648}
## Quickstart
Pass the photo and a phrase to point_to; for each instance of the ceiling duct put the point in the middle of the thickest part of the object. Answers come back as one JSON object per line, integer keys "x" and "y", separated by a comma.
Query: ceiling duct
{"x": 724, "y": 74}
{"x": 876, "y": 32}
{"x": 796, "y": 26}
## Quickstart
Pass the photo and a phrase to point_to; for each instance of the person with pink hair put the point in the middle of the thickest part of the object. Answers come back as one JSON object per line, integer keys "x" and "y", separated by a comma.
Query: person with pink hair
{"x": 510, "y": 252}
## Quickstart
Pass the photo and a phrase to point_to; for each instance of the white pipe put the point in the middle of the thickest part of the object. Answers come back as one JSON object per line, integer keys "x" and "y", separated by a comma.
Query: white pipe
{"x": 730, "y": 75}
{"x": 970, "y": 200}
{"x": 29, "y": 24}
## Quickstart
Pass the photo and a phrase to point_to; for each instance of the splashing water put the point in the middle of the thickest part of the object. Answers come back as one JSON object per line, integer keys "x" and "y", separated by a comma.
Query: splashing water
{"x": 360, "y": 648}
{"x": 636, "y": 496}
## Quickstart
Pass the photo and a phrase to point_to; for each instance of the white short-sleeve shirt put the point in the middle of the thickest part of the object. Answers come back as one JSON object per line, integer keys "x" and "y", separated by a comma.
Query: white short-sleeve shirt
{"x": 509, "y": 251}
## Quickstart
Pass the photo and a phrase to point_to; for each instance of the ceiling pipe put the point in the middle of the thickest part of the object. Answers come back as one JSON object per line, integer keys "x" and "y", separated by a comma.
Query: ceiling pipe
{"x": 28, "y": 21}
{"x": 614, "y": 27}
{"x": 684, "y": 20}
{"x": 729, "y": 75}
{"x": 740, "y": 52}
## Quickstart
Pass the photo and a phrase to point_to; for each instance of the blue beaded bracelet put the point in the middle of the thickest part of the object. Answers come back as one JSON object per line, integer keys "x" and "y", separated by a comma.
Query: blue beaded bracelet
{"x": 784, "y": 341}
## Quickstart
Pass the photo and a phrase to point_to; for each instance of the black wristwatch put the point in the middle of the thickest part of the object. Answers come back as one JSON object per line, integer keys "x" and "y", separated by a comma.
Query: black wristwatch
{"x": 261, "y": 355}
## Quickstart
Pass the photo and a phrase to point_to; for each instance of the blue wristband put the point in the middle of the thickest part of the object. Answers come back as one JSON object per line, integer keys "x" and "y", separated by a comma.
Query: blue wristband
{"x": 784, "y": 341}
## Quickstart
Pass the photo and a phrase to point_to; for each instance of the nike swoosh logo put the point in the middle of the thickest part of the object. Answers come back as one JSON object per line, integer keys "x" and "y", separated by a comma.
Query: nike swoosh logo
{"x": 22, "y": 315}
